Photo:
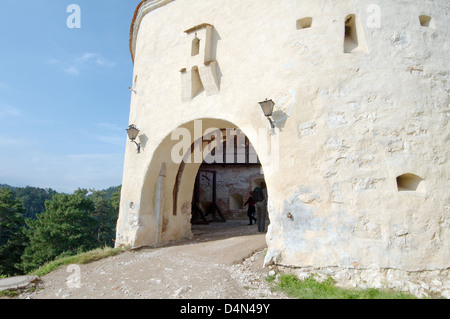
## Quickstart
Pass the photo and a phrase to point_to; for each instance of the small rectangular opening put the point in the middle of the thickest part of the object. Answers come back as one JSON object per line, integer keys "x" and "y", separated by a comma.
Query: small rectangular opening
{"x": 410, "y": 182}
{"x": 195, "y": 47}
{"x": 236, "y": 202}
{"x": 304, "y": 23}
{"x": 351, "y": 36}
{"x": 197, "y": 85}
{"x": 426, "y": 21}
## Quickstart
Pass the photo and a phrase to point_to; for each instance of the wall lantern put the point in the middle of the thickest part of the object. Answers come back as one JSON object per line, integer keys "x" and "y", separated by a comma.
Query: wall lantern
{"x": 133, "y": 132}
{"x": 267, "y": 108}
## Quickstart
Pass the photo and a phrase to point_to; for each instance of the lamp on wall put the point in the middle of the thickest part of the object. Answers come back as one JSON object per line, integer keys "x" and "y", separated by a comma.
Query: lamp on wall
{"x": 267, "y": 108}
{"x": 133, "y": 132}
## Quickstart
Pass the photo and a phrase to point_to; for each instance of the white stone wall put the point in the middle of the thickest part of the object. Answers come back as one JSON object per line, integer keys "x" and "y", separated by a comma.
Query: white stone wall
{"x": 357, "y": 121}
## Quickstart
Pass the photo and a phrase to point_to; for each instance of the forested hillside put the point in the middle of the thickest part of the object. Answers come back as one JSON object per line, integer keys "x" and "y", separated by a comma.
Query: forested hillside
{"x": 37, "y": 225}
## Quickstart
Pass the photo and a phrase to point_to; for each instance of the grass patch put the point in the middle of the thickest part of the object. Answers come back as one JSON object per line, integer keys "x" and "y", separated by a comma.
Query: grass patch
{"x": 9, "y": 293}
{"x": 80, "y": 259}
{"x": 310, "y": 288}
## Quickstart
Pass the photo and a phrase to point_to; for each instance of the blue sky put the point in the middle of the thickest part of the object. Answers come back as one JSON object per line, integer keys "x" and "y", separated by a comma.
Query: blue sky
{"x": 64, "y": 98}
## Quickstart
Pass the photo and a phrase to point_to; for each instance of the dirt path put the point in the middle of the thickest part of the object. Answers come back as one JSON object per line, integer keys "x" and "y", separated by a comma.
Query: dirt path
{"x": 223, "y": 261}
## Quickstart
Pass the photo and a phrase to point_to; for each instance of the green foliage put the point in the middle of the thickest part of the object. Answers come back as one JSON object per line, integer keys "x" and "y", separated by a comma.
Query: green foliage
{"x": 12, "y": 239}
{"x": 105, "y": 215}
{"x": 33, "y": 199}
{"x": 66, "y": 227}
{"x": 310, "y": 288}
{"x": 79, "y": 259}
{"x": 111, "y": 191}
{"x": 115, "y": 198}
{"x": 53, "y": 225}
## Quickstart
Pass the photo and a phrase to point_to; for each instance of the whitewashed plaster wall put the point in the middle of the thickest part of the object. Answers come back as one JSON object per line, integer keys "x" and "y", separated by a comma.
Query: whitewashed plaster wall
{"x": 357, "y": 121}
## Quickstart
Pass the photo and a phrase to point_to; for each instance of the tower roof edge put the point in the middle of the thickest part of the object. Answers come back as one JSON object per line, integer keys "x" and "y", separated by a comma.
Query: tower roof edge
{"x": 144, "y": 7}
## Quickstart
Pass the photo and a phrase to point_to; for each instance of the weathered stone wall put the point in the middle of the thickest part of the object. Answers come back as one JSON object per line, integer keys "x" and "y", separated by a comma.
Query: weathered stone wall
{"x": 234, "y": 183}
{"x": 366, "y": 91}
{"x": 422, "y": 284}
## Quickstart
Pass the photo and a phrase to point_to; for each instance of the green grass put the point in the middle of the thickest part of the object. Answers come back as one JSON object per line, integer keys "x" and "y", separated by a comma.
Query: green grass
{"x": 312, "y": 289}
{"x": 82, "y": 258}
{"x": 79, "y": 259}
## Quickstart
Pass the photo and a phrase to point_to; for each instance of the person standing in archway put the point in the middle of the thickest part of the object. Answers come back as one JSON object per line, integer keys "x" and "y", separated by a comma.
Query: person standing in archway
{"x": 260, "y": 197}
{"x": 251, "y": 208}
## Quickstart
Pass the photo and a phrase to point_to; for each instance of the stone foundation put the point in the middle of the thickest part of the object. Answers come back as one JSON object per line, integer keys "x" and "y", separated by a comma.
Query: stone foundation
{"x": 422, "y": 284}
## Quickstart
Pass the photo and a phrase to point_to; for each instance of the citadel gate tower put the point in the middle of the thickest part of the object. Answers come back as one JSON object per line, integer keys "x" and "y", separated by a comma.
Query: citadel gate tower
{"x": 356, "y": 167}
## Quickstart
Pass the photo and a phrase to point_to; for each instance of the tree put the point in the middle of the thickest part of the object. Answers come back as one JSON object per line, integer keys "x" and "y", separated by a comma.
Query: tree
{"x": 111, "y": 191}
{"x": 106, "y": 216}
{"x": 67, "y": 226}
{"x": 12, "y": 239}
{"x": 115, "y": 199}
{"x": 33, "y": 199}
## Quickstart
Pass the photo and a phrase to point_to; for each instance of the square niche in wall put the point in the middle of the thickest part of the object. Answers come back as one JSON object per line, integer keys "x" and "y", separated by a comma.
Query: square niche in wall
{"x": 410, "y": 182}
{"x": 426, "y": 21}
{"x": 304, "y": 23}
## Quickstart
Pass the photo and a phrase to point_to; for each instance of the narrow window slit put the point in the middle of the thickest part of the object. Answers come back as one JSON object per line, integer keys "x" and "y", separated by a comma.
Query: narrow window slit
{"x": 351, "y": 35}
{"x": 195, "y": 47}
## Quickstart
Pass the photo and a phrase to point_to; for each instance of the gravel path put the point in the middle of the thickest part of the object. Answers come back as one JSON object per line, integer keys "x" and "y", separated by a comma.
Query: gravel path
{"x": 223, "y": 261}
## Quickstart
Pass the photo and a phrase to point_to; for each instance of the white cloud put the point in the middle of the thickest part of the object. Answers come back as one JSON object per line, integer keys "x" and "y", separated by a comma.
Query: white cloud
{"x": 53, "y": 61}
{"x": 105, "y": 62}
{"x": 95, "y": 58}
{"x": 111, "y": 139}
{"x": 9, "y": 111}
{"x": 85, "y": 57}
{"x": 86, "y": 60}
{"x": 9, "y": 141}
{"x": 109, "y": 126}
{"x": 112, "y": 134}
{"x": 73, "y": 70}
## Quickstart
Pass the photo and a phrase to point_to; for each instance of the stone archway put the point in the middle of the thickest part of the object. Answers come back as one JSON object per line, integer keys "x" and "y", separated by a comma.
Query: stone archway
{"x": 164, "y": 209}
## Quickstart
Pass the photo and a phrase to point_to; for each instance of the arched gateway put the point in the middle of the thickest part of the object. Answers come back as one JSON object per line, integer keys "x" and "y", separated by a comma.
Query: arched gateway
{"x": 361, "y": 105}
{"x": 160, "y": 207}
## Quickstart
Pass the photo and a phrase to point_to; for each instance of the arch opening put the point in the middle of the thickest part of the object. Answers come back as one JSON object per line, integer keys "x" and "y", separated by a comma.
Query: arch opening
{"x": 227, "y": 181}
{"x": 178, "y": 204}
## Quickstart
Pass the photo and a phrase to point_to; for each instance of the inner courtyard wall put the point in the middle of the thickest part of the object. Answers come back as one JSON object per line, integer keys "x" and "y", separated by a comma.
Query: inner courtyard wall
{"x": 233, "y": 186}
